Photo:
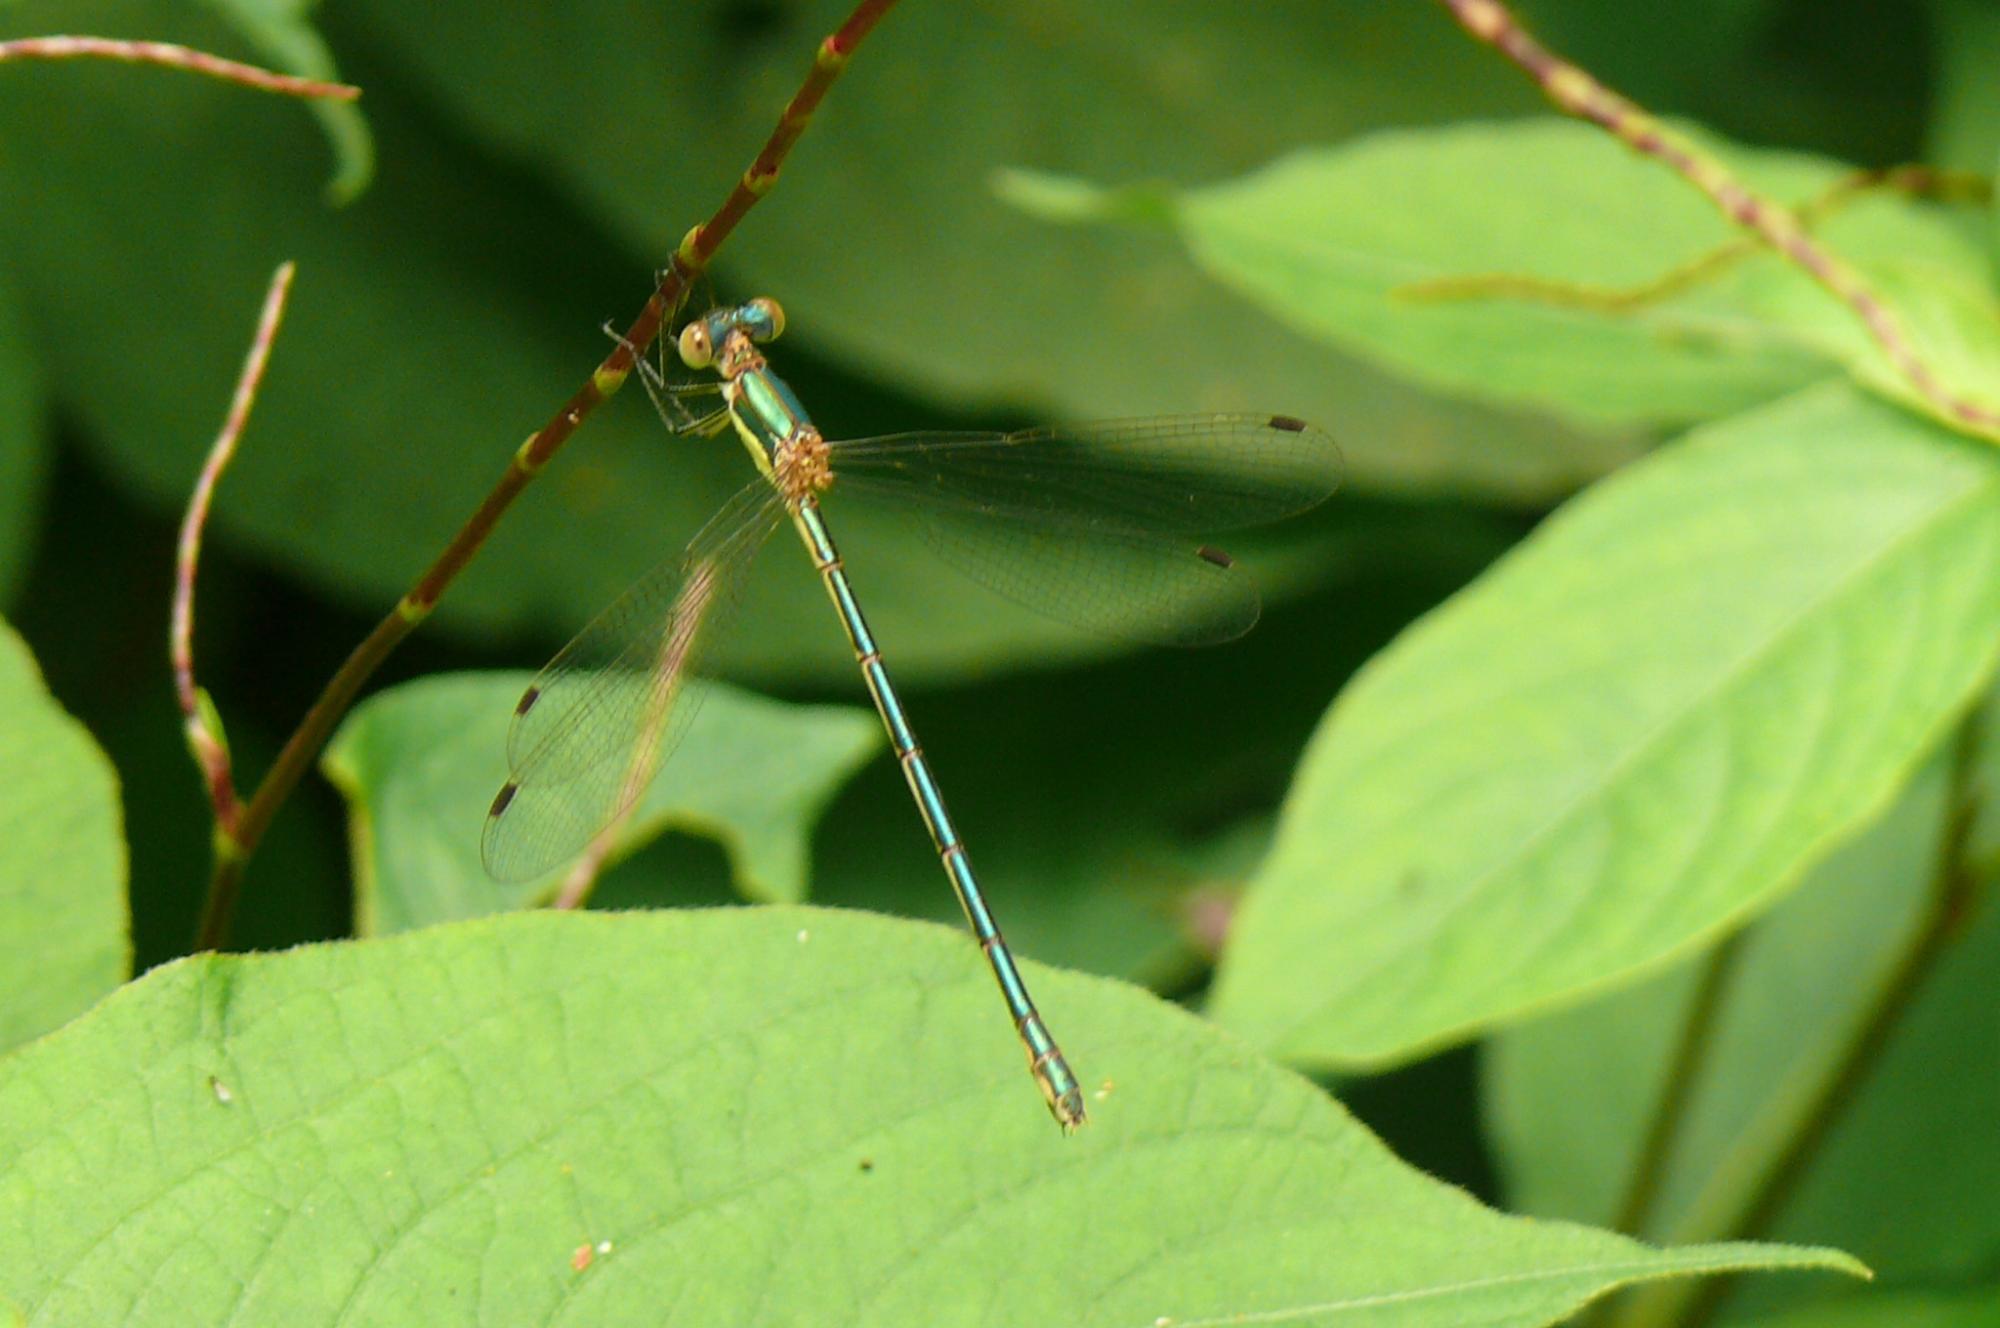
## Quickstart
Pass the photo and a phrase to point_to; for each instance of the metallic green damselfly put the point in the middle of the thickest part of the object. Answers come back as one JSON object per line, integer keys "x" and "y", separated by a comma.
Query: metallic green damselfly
{"x": 1090, "y": 523}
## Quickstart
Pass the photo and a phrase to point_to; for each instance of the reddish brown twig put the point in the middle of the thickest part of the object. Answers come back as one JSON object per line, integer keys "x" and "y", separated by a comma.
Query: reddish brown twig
{"x": 688, "y": 262}
{"x": 1577, "y": 93}
{"x": 211, "y": 753}
{"x": 174, "y": 57}
{"x": 704, "y": 240}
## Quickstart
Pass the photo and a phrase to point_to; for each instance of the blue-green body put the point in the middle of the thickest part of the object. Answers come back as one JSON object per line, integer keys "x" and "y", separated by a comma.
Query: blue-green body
{"x": 788, "y": 449}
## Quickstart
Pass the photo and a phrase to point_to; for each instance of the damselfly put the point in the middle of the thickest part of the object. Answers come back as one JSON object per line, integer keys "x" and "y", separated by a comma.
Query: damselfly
{"x": 1091, "y": 523}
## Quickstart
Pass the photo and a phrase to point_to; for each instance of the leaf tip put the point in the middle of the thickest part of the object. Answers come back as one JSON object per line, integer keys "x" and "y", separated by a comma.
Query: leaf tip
{"x": 1070, "y": 201}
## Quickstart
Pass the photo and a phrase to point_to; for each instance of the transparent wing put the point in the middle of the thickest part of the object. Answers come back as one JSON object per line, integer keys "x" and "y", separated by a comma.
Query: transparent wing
{"x": 1088, "y": 523}
{"x": 595, "y": 726}
{"x": 1168, "y": 474}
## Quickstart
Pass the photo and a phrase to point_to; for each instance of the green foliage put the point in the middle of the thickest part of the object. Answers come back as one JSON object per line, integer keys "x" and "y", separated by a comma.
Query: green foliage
{"x": 420, "y": 765}
{"x": 233, "y": 1109}
{"x": 1464, "y": 782}
{"x": 62, "y": 860}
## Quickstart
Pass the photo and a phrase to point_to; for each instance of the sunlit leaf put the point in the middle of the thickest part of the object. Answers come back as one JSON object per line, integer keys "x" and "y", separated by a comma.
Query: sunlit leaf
{"x": 1571, "y": 1096}
{"x": 772, "y": 1116}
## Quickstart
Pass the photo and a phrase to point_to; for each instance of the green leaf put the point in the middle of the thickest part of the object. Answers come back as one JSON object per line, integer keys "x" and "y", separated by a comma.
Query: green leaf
{"x": 751, "y": 1117}
{"x": 383, "y": 420}
{"x": 420, "y": 764}
{"x": 1940, "y": 292}
{"x": 24, "y": 443}
{"x": 1638, "y": 729}
{"x": 1335, "y": 240}
{"x": 64, "y": 932}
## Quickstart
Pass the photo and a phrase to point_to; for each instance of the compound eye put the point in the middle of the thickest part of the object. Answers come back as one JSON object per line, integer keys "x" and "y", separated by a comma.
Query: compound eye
{"x": 773, "y": 318}
{"x": 697, "y": 352}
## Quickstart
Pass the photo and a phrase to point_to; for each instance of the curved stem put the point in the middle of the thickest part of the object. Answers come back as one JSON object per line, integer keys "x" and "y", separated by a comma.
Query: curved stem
{"x": 1691, "y": 1050}
{"x": 204, "y": 737}
{"x": 170, "y": 56}
{"x": 235, "y": 846}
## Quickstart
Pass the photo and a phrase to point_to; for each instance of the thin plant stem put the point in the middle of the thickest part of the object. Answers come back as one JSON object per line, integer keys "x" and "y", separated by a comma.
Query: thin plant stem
{"x": 233, "y": 850}
{"x": 205, "y": 742}
{"x": 1575, "y": 92}
{"x": 1690, "y": 1056}
{"x": 170, "y": 56}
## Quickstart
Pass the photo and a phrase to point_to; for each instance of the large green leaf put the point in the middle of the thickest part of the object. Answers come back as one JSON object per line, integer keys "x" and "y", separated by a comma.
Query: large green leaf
{"x": 1638, "y": 729}
{"x": 24, "y": 443}
{"x": 780, "y": 1116}
{"x": 1332, "y": 239}
{"x": 420, "y": 764}
{"x": 63, "y": 926}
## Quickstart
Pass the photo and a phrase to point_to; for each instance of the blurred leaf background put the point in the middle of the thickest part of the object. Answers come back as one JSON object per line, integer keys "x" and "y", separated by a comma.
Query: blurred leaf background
{"x": 532, "y": 164}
